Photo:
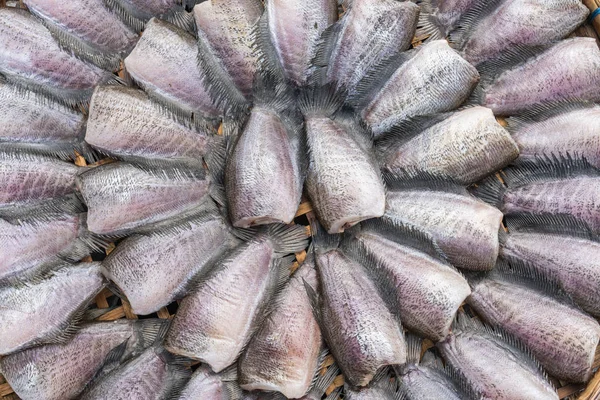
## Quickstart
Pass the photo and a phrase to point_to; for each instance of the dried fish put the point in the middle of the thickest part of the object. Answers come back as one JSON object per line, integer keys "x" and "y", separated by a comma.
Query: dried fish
{"x": 216, "y": 321}
{"x": 439, "y": 17}
{"x": 559, "y": 335}
{"x": 136, "y": 13}
{"x": 464, "y": 146}
{"x": 205, "y": 384}
{"x": 380, "y": 388}
{"x": 45, "y": 311}
{"x": 61, "y": 371}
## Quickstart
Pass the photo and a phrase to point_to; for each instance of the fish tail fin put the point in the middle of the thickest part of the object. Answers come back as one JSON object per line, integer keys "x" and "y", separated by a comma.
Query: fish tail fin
{"x": 321, "y": 240}
{"x": 323, "y": 100}
{"x": 414, "y": 345}
{"x": 182, "y": 19}
{"x": 269, "y": 90}
{"x": 324, "y": 49}
{"x": 287, "y": 238}
{"x": 491, "y": 190}
{"x": 469, "y": 21}
{"x": 428, "y": 24}
{"x": 323, "y": 376}
{"x": 335, "y": 395}
{"x": 151, "y": 331}
{"x": 117, "y": 8}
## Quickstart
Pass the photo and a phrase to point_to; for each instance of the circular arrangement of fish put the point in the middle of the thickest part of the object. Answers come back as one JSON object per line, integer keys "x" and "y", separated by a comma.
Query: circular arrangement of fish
{"x": 445, "y": 155}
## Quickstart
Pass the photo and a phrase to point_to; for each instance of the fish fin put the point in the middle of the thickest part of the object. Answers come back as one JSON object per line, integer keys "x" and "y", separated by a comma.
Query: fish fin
{"x": 322, "y": 241}
{"x": 545, "y": 111}
{"x": 432, "y": 360}
{"x": 428, "y": 24}
{"x": 335, "y": 395}
{"x": 264, "y": 49}
{"x": 509, "y": 59}
{"x": 181, "y": 19}
{"x": 383, "y": 380}
{"x": 323, "y": 100}
{"x": 64, "y": 151}
{"x": 287, "y": 238}
{"x": 270, "y": 91}
{"x": 314, "y": 300}
{"x": 400, "y": 395}
{"x": 179, "y": 375}
{"x": 490, "y": 190}
{"x": 414, "y": 345}
{"x": 34, "y": 275}
{"x": 407, "y": 130}
{"x": 94, "y": 313}
{"x": 229, "y": 378}
{"x": 324, "y": 49}
{"x": 112, "y": 361}
{"x": 86, "y": 242}
{"x": 321, "y": 381}
{"x": 468, "y": 22}
{"x": 564, "y": 224}
{"x": 125, "y": 16}
{"x": 502, "y": 236}
{"x": 467, "y": 392}
{"x": 422, "y": 180}
{"x": 151, "y": 331}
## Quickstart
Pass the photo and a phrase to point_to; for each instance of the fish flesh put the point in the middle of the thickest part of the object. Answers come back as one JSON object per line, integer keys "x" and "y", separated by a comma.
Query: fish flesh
{"x": 430, "y": 79}
{"x": 264, "y": 173}
{"x": 125, "y": 123}
{"x": 548, "y": 185}
{"x": 464, "y": 227}
{"x": 440, "y": 17}
{"x": 559, "y": 248}
{"x": 494, "y": 364}
{"x": 154, "y": 269}
{"x": 206, "y": 385}
{"x": 61, "y": 371}
{"x": 380, "y": 388}
{"x": 464, "y": 146}
{"x": 493, "y": 28}
{"x": 566, "y": 71}
{"x": 32, "y": 58}
{"x": 406, "y": 264}
{"x": 562, "y": 337}
{"x": 87, "y": 28}
{"x": 283, "y": 355}
{"x": 572, "y": 128}
{"x": 122, "y": 198}
{"x": 153, "y": 375}
{"x": 33, "y": 122}
{"x": 343, "y": 180}
{"x": 361, "y": 332}
{"x": 216, "y": 321}
{"x": 45, "y": 311}
{"x": 164, "y": 64}
{"x": 368, "y": 33}
{"x": 288, "y": 34}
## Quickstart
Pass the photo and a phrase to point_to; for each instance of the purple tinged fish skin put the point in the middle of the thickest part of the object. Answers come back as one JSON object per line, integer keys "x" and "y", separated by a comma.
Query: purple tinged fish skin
{"x": 566, "y": 71}
{"x": 284, "y": 353}
{"x": 154, "y": 269}
{"x": 561, "y": 337}
{"x": 420, "y": 382}
{"x": 123, "y": 198}
{"x": 436, "y": 79}
{"x": 380, "y": 388}
{"x": 146, "y": 9}
{"x": 42, "y": 312}
{"x": 465, "y": 147}
{"x": 61, "y": 371}
{"x": 164, "y": 63}
{"x": 465, "y": 228}
{"x": 206, "y": 385}
{"x": 126, "y": 123}
{"x": 439, "y": 17}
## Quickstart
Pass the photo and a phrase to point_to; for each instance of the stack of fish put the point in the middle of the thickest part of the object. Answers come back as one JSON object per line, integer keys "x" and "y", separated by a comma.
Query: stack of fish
{"x": 211, "y": 121}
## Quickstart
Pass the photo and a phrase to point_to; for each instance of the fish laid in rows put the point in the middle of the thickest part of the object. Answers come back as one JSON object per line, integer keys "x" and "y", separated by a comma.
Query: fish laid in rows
{"x": 87, "y": 28}
{"x": 153, "y": 375}
{"x": 381, "y": 387}
{"x": 32, "y": 244}
{"x": 265, "y": 172}
{"x": 464, "y": 227}
{"x": 368, "y": 33}
{"x": 566, "y": 71}
{"x": 464, "y": 146}
{"x": 164, "y": 63}
{"x": 548, "y": 185}
{"x": 33, "y": 122}
{"x": 154, "y": 269}
{"x": 425, "y": 290}
{"x": 126, "y": 124}
{"x": 361, "y": 332}
{"x": 494, "y": 365}
{"x": 206, "y": 385}
{"x": 216, "y": 321}
{"x": 562, "y": 250}
{"x": 33, "y": 59}
{"x": 61, "y": 371}
{"x": 431, "y": 79}
{"x": 283, "y": 355}
{"x": 122, "y": 198}
{"x": 439, "y": 17}
{"x": 289, "y": 32}
{"x": 45, "y": 311}
{"x": 343, "y": 179}
{"x": 493, "y": 28}
{"x": 564, "y": 128}
{"x": 524, "y": 304}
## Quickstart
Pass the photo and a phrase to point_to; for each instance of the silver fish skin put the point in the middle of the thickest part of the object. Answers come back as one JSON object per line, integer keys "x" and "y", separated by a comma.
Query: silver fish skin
{"x": 464, "y": 227}
{"x": 153, "y": 375}
{"x": 413, "y": 88}
{"x": 86, "y": 27}
{"x": 154, "y": 269}
{"x": 43, "y": 312}
{"x": 294, "y": 29}
{"x": 380, "y": 388}
{"x": 125, "y": 123}
{"x": 283, "y": 355}
{"x": 567, "y": 71}
{"x": 574, "y": 129}
{"x": 227, "y": 27}
{"x": 368, "y": 33}
{"x": 33, "y": 59}
{"x": 493, "y": 364}
{"x": 206, "y": 385}
{"x": 216, "y": 321}
{"x": 426, "y": 291}
{"x": 464, "y": 146}
{"x": 493, "y": 28}
{"x": 164, "y": 64}
{"x": 136, "y": 13}
{"x": 439, "y": 17}
{"x": 33, "y": 122}
{"x": 122, "y": 198}
{"x": 560, "y": 336}
{"x": 61, "y": 371}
